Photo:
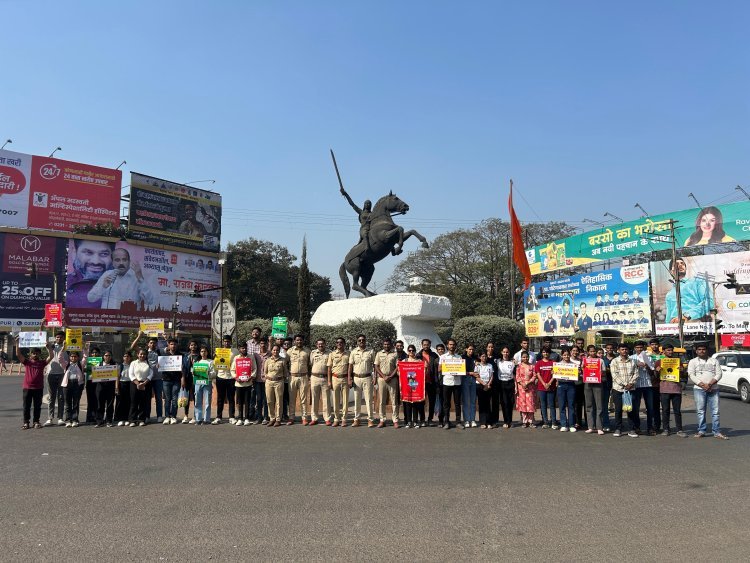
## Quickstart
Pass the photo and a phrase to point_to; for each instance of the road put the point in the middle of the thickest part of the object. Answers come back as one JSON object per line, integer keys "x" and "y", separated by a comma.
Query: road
{"x": 295, "y": 493}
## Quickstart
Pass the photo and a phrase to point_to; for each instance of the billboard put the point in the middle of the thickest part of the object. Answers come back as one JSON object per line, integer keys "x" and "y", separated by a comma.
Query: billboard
{"x": 117, "y": 284}
{"x": 616, "y": 299}
{"x": 38, "y": 192}
{"x": 693, "y": 227}
{"x": 701, "y": 289}
{"x": 164, "y": 212}
{"x": 22, "y": 298}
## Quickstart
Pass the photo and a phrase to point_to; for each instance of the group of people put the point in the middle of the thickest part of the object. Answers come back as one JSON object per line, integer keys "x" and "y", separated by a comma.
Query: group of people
{"x": 266, "y": 378}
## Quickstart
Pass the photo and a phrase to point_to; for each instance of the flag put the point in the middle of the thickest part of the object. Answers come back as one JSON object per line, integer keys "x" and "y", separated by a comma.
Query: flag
{"x": 519, "y": 254}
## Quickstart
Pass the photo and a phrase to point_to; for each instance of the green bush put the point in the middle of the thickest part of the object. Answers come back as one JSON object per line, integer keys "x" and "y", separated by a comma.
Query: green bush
{"x": 374, "y": 329}
{"x": 488, "y": 328}
{"x": 245, "y": 328}
{"x": 444, "y": 332}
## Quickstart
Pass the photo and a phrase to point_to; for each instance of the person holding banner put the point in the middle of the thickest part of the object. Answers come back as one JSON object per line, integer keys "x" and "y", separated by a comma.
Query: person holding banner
{"x": 670, "y": 389}
{"x": 170, "y": 363}
{"x": 452, "y": 368}
{"x": 507, "y": 385}
{"x": 186, "y": 382}
{"x": 93, "y": 358}
{"x": 593, "y": 375}
{"x": 526, "y": 390}
{"x": 204, "y": 371}
{"x": 225, "y": 383}
{"x": 73, "y": 381}
{"x": 432, "y": 382}
{"x": 485, "y": 372}
{"x": 469, "y": 388}
{"x": 122, "y": 391}
{"x": 545, "y": 389}
{"x": 33, "y": 384}
{"x": 244, "y": 371}
{"x": 624, "y": 375}
{"x": 140, "y": 388}
{"x": 414, "y": 410}
{"x": 643, "y": 389}
{"x": 567, "y": 373}
{"x": 105, "y": 396}
{"x": 56, "y": 372}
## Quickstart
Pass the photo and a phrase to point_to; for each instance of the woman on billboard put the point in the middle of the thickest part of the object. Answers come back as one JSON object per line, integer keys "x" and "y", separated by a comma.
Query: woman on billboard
{"x": 709, "y": 228}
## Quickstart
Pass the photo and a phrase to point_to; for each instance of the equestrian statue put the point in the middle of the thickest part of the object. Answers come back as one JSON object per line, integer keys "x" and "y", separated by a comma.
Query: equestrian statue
{"x": 379, "y": 236}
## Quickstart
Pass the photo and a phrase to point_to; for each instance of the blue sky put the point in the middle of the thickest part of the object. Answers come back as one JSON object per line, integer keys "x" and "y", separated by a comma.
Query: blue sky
{"x": 588, "y": 106}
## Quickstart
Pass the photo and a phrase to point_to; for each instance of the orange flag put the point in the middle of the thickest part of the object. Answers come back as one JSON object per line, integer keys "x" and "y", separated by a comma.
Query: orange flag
{"x": 519, "y": 255}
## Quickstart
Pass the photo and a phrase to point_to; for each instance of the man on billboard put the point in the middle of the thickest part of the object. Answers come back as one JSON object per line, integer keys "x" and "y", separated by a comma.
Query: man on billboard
{"x": 550, "y": 324}
{"x": 584, "y": 321}
{"x": 190, "y": 224}
{"x": 532, "y": 303}
{"x": 124, "y": 283}
{"x": 695, "y": 295}
{"x": 566, "y": 321}
{"x": 91, "y": 260}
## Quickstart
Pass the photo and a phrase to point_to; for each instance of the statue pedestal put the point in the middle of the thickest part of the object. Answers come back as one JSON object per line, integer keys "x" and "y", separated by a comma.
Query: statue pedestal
{"x": 413, "y": 314}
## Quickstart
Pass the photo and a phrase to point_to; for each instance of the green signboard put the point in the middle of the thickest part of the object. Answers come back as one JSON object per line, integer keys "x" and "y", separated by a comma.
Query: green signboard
{"x": 279, "y": 328}
{"x": 692, "y": 227}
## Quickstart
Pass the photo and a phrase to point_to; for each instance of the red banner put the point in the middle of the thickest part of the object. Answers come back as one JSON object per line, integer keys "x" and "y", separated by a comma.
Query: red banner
{"x": 243, "y": 368}
{"x": 592, "y": 370}
{"x": 53, "y": 315}
{"x": 411, "y": 378}
{"x": 731, "y": 340}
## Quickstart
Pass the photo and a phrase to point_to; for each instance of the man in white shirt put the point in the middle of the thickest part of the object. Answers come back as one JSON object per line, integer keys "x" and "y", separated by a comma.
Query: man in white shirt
{"x": 524, "y": 348}
{"x": 124, "y": 283}
{"x": 643, "y": 388}
{"x": 451, "y": 386}
{"x": 705, "y": 373}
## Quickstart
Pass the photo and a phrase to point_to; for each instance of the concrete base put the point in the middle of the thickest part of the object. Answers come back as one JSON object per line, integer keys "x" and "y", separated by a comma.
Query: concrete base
{"x": 413, "y": 314}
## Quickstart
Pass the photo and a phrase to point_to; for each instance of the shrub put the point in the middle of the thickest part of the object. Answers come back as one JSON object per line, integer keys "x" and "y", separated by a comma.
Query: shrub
{"x": 245, "y": 328}
{"x": 488, "y": 328}
{"x": 374, "y": 329}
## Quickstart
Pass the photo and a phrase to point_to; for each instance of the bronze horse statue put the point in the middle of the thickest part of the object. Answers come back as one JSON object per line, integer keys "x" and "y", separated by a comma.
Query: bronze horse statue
{"x": 379, "y": 237}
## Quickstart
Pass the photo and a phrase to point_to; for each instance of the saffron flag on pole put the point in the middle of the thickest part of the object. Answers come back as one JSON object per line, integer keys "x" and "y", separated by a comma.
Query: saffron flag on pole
{"x": 519, "y": 255}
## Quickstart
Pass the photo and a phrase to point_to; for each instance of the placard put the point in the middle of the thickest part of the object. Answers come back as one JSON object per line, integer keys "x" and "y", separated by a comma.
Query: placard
{"x": 670, "y": 370}
{"x": 565, "y": 372}
{"x": 223, "y": 358}
{"x": 412, "y": 380}
{"x": 454, "y": 366}
{"x": 169, "y": 363}
{"x": 200, "y": 372}
{"x": 53, "y": 315}
{"x": 35, "y": 339}
{"x": 91, "y": 363}
{"x": 152, "y": 327}
{"x": 73, "y": 339}
{"x": 592, "y": 370}
{"x": 103, "y": 373}
{"x": 243, "y": 368}
{"x": 279, "y": 329}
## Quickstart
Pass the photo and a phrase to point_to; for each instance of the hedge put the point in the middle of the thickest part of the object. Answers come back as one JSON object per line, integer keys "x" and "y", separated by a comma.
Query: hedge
{"x": 374, "y": 329}
{"x": 245, "y": 328}
{"x": 488, "y": 328}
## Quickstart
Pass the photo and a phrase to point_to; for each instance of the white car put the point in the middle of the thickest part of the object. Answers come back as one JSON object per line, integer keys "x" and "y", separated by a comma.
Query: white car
{"x": 735, "y": 373}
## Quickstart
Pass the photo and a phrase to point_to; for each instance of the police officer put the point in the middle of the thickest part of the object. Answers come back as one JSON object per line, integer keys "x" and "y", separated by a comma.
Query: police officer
{"x": 298, "y": 357}
{"x": 276, "y": 372}
{"x": 319, "y": 382}
{"x": 386, "y": 368}
{"x": 338, "y": 363}
{"x": 361, "y": 364}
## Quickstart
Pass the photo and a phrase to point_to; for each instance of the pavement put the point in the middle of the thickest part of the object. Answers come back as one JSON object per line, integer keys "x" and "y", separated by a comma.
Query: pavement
{"x": 220, "y": 493}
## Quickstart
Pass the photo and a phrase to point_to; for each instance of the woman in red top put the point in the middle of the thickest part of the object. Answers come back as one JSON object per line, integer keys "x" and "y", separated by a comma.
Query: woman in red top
{"x": 546, "y": 389}
{"x": 526, "y": 390}
{"x": 33, "y": 384}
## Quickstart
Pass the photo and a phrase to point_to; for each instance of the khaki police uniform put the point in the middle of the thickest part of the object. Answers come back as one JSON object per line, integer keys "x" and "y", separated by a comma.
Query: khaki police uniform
{"x": 387, "y": 362}
{"x": 299, "y": 370}
{"x": 362, "y": 363}
{"x": 338, "y": 364}
{"x": 319, "y": 384}
{"x": 275, "y": 372}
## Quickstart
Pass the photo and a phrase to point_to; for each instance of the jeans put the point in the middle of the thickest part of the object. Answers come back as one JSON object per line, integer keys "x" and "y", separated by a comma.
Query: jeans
{"x": 469, "y": 397}
{"x": 56, "y": 395}
{"x": 73, "y": 399}
{"x": 708, "y": 399}
{"x": 566, "y": 398}
{"x": 157, "y": 385}
{"x": 261, "y": 404}
{"x": 657, "y": 412}
{"x": 648, "y": 398}
{"x": 507, "y": 398}
{"x": 454, "y": 392}
{"x": 547, "y": 402}
{"x": 202, "y": 407}
{"x": 32, "y": 396}
{"x": 171, "y": 392}
{"x": 617, "y": 398}
{"x": 604, "y": 412}
{"x": 675, "y": 400}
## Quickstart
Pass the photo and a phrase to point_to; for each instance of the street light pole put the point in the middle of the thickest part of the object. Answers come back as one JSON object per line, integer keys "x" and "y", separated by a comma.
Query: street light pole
{"x": 222, "y": 262}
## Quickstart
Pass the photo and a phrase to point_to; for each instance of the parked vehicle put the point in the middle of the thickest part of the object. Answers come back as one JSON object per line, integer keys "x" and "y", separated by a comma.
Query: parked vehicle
{"x": 735, "y": 373}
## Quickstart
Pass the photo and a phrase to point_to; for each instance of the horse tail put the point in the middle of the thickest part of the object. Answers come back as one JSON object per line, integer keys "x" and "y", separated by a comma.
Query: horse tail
{"x": 344, "y": 279}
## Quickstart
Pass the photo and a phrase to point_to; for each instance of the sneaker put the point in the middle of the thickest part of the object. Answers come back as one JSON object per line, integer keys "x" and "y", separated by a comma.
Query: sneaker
{"x": 49, "y": 422}
{"x": 633, "y": 434}
{"x": 600, "y": 432}
{"x": 160, "y": 419}
{"x": 185, "y": 420}
{"x": 682, "y": 434}
{"x": 555, "y": 427}
{"x": 60, "y": 422}
{"x": 131, "y": 425}
{"x": 68, "y": 424}
{"x": 467, "y": 425}
{"x": 141, "y": 423}
{"x": 718, "y": 435}
{"x": 264, "y": 422}
{"x": 664, "y": 433}
{"x": 121, "y": 423}
{"x": 574, "y": 429}
{"x": 589, "y": 431}
{"x": 109, "y": 425}
{"x": 191, "y": 421}
{"x": 216, "y": 421}
{"x": 565, "y": 429}
{"x": 75, "y": 424}
{"x": 235, "y": 422}
{"x": 232, "y": 421}
{"x": 699, "y": 435}
{"x": 246, "y": 422}
{"x": 165, "y": 420}
{"x": 474, "y": 424}
{"x": 38, "y": 426}
{"x": 172, "y": 420}
{"x": 617, "y": 434}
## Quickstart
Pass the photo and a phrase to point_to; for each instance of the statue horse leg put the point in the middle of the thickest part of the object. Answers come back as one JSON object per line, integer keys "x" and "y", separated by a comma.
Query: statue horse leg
{"x": 403, "y": 236}
{"x": 366, "y": 271}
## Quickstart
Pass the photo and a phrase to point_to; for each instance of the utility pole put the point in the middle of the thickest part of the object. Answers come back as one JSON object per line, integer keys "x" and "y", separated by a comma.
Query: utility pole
{"x": 512, "y": 278}
{"x": 676, "y": 278}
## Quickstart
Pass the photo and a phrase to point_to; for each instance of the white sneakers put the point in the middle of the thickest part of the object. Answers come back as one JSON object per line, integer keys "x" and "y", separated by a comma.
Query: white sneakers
{"x": 236, "y": 422}
{"x": 164, "y": 421}
{"x": 141, "y": 423}
{"x": 49, "y": 422}
{"x": 68, "y": 424}
{"x": 186, "y": 420}
{"x": 121, "y": 423}
{"x": 131, "y": 425}
{"x": 565, "y": 429}
{"x": 216, "y": 421}
{"x": 60, "y": 422}
{"x": 232, "y": 421}
{"x": 173, "y": 420}
{"x": 574, "y": 429}
{"x": 473, "y": 424}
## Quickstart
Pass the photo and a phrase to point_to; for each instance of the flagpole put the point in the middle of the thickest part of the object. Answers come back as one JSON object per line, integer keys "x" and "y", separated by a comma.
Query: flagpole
{"x": 510, "y": 264}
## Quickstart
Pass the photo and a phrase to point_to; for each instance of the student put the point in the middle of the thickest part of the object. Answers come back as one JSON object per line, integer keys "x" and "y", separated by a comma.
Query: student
{"x": 140, "y": 388}
{"x": 431, "y": 361}
{"x": 105, "y": 397}
{"x": 451, "y": 387}
{"x": 670, "y": 394}
{"x": 33, "y": 384}
{"x": 203, "y": 373}
{"x": 94, "y": 358}
{"x": 593, "y": 391}
{"x": 546, "y": 388}
{"x": 171, "y": 383}
{"x": 122, "y": 391}
{"x": 526, "y": 390}
{"x": 244, "y": 381}
{"x": 705, "y": 373}
{"x": 469, "y": 389}
{"x": 186, "y": 382}
{"x": 73, "y": 381}
{"x": 643, "y": 388}
{"x": 414, "y": 411}
{"x": 485, "y": 372}
{"x": 507, "y": 386}
{"x": 580, "y": 400}
{"x": 225, "y": 386}
{"x": 56, "y": 372}
{"x": 566, "y": 396}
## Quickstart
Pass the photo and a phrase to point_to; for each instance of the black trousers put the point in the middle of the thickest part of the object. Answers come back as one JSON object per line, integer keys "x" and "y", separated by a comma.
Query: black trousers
{"x": 91, "y": 406}
{"x": 676, "y": 403}
{"x": 191, "y": 393}
{"x": 139, "y": 400}
{"x": 494, "y": 416}
{"x": 413, "y": 412}
{"x": 451, "y": 391}
{"x": 72, "y": 401}
{"x": 285, "y": 406}
{"x": 32, "y": 396}
{"x": 580, "y": 404}
{"x": 484, "y": 398}
{"x": 657, "y": 413}
{"x": 507, "y": 400}
{"x": 245, "y": 402}
{"x": 105, "y": 401}
{"x": 122, "y": 404}
{"x": 617, "y": 398}
{"x": 431, "y": 390}
{"x": 224, "y": 393}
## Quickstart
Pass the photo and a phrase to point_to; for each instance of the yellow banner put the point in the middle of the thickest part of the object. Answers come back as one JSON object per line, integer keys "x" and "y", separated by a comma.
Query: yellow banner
{"x": 152, "y": 327}
{"x": 73, "y": 339}
{"x": 223, "y": 358}
{"x": 104, "y": 373}
{"x": 454, "y": 367}
{"x": 670, "y": 370}
{"x": 565, "y": 372}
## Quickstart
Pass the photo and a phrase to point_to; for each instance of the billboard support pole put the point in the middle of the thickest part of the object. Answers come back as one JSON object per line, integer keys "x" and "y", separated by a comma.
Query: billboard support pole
{"x": 676, "y": 278}
{"x": 512, "y": 278}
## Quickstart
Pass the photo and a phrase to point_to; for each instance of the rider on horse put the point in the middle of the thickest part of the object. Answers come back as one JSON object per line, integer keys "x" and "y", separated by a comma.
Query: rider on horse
{"x": 364, "y": 218}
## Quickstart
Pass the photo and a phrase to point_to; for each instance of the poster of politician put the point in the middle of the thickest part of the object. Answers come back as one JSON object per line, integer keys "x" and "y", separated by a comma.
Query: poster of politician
{"x": 118, "y": 284}
{"x": 616, "y": 299}
{"x": 39, "y": 192}
{"x": 702, "y": 280}
{"x": 170, "y": 213}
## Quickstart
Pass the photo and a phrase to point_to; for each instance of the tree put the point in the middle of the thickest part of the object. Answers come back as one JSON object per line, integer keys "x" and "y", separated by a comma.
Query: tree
{"x": 304, "y": 294}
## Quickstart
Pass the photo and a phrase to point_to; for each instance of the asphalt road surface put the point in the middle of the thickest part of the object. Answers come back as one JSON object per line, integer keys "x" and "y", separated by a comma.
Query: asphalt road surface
{"x": 221, "y": 493}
